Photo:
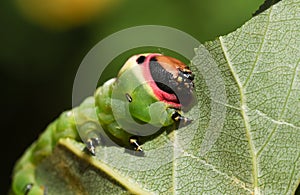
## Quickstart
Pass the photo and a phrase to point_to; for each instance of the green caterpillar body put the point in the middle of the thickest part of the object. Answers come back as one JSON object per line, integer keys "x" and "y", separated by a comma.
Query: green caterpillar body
{"x": 149, "y": 93}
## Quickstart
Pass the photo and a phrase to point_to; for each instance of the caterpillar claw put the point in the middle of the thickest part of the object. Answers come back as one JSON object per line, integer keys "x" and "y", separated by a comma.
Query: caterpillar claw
{"x": 91, "y": 145}
{"x": 135, "y": 143}
{"x": 184, "y": 121}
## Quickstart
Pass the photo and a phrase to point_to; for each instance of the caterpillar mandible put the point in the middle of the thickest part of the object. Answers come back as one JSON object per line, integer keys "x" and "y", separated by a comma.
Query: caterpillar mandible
{"x": 150, "y": 91}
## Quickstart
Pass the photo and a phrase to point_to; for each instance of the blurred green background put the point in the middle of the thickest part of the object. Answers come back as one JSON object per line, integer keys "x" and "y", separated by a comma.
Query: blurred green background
{"x": 42, "y": 44}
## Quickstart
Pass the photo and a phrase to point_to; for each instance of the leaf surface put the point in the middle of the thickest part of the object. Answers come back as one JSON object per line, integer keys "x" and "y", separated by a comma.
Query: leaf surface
{"x": 245, "y": 138}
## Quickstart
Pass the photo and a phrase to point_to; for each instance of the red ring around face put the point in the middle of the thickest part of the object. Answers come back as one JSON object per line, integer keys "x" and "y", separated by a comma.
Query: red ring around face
{"x": 161, "y": 95}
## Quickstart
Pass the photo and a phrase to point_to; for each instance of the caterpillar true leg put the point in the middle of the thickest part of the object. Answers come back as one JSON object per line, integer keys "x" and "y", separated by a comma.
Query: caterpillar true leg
{"x": 181, "y": 119}
{"x": 135, "y": 143}
{"x": 91, "y": 144}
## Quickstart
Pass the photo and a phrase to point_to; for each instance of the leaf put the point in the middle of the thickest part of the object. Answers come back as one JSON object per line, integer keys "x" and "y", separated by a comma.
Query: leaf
{"x": 260, "y": 140}
{"x": 267, "y": 4}
{"x": 245, "y": 138}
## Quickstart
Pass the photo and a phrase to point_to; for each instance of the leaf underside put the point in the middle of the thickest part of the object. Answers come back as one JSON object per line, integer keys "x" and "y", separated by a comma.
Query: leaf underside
{"x": 255, "y": 149}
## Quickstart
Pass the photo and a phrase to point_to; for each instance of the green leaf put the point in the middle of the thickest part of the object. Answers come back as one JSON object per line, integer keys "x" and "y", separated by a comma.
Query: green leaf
{"x": 244, "y": 140}
{"x": 267, "y": 4}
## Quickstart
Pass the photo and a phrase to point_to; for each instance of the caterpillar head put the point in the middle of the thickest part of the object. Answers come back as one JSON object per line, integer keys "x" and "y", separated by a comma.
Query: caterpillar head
{"x": 169, "y": 79}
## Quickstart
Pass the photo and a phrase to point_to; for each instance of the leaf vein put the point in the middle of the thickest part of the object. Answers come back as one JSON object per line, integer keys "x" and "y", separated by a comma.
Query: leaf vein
{"x": 292, "y": 174}
{"x": 282, "y": 111}
{"x": 278, "y": 122}
{"x": 259, "y": 51}
{"x": 239, "y": 182}
{"x": 244, "y": 115}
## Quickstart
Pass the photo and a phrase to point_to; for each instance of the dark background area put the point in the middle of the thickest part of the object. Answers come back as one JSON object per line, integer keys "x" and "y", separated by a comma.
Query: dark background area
{"x": 40, "y": 52}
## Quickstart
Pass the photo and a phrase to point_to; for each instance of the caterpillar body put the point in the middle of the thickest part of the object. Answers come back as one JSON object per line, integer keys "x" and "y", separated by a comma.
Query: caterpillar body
{"x": 150, "y": 92}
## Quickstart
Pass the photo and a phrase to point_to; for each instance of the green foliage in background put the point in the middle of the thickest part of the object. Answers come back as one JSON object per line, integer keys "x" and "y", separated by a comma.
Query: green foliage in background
{"x": 258, "y": 150}
{"x": 45, "y": 51}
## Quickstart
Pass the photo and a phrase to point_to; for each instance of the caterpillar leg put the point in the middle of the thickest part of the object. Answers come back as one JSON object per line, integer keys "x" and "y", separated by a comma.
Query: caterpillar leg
{"x": 184, "y": 121}
{"x": 133, "y": 140}
{"x": 24, "y": 182}
{"x": 88, "y": 125}
{"x": 30, "y": 188}
{"x": 91, "y": 144}
{"x": 27, "y": 188}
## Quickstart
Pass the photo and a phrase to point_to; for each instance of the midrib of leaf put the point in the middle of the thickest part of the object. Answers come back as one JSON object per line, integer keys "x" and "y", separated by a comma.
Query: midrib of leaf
{"x": 245, "y": 116}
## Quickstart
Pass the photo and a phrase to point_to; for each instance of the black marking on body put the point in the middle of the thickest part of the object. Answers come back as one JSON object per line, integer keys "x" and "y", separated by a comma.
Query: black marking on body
{"x": 128, "y": 97}
{"x": 140, "y": 59}
{"x": 27, "y": 188}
